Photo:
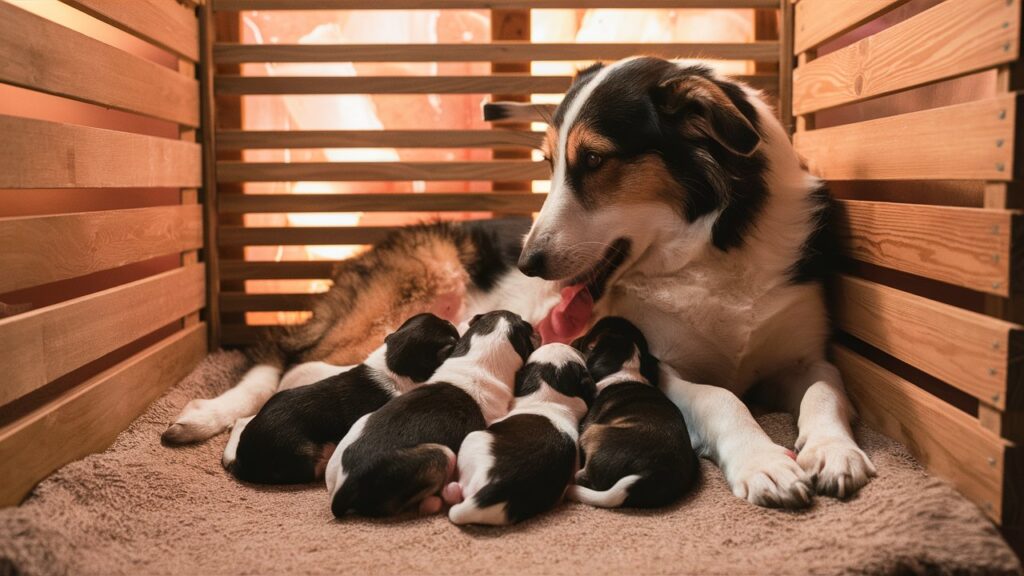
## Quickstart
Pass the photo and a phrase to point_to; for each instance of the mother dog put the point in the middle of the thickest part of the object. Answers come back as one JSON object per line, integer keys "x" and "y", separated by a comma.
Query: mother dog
{"x": 677, "y": 202}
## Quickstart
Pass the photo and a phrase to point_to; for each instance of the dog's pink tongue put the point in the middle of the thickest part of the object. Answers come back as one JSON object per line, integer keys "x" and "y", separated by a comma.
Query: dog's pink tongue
{"x": 569, "y": 317}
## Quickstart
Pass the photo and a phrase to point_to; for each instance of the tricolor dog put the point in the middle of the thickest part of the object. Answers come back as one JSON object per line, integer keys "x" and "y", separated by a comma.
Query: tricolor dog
{"x": 521, "y": 465}
{"x": 634, "y": 446}
{"x": 291, "y": 438}
{"x": 677, "y": 202}
{"x": 400, "y": 457}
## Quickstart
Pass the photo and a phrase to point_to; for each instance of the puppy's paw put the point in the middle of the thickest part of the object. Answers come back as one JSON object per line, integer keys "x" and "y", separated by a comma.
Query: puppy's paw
{"x": 452, "y": 494}
{"x": 198, "y": 421}
{"x": 768, "y": 476}
{"x": 837, "y": 466}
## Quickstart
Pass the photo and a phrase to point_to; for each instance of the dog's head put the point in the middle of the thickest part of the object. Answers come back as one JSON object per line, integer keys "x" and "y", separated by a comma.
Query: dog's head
{"x": 638, "y": 148}
{"x": 505, "y": 328}
{"x": 612, "y": 344}
{"x": 559, "y": 366}
{"x": 419, "y": 346}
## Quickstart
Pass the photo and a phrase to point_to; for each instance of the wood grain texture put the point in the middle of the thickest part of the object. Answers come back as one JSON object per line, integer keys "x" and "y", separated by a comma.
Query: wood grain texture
{"x": 967, "y": 350}
{"x": 972, "y": 141}
{"x": 273, "y": 139}
{"x": 491, "y": 52}
{"x": 41, "y": 154}
{"x": 969, "y": 247}
{"x": 240, "y": 302}
{"x": 165, "y": 23}
{"x": 42, "y": 55}
{"x": 41, "y": 249}
{"x": 380, "y": 171}
{"x": 234, "y": 5}
{"x": 947, "y": 441}
{"x": 337, "y": 235}
{"x": 208, "y": 30}
{"x": 821, "y": 20}
{"x": 516, "y": 203}
{"x": 245, "y": 270}
{"x": 88, "y": 417}
{"x": 52, "y": 341}
{"x": 953, "y": 38}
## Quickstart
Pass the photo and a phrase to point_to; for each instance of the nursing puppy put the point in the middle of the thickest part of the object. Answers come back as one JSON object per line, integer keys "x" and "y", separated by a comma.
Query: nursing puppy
{"x": 291, "y": 438}
{"x": 634, "y": 444}
{"x": 400, "y": 457}
{"x": 521, "y": 465}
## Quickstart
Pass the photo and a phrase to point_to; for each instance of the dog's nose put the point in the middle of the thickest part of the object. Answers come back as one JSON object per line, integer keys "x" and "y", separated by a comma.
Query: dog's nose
{"x": 533, "y": 263}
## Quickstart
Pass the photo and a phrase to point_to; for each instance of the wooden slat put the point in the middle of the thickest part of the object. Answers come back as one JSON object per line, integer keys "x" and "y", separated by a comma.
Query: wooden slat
{"x": 243, "y": 270}
{"x": 529, "y": 113}
{"x": 377, "y": 171}
{"x": 41, "y": 154}
{"x": 490, "y": 84}
{"x": 954, "y": 38}
{"x": 239, "y": 302}
{"x": 49, "y": 342}
{"x": 253, "y": 139}
{"x": 208, "y": 30}
{"x": 42, "y": 55}
{"x": 340, "y": 235}
{"x": 165, "y": 23}
{"x": 969, "y": 247}
{"x": 969, "y": 351}
{"x": 516, "y": 203}
{"x": 821, "y": 20}
{"x": 949, "y": 442}
{"x": 41, "y": 249}
{"x": 87, "y": 418}
{"x": 481, "y": 4}
{"x": 491, "y": 52}
{"x": 973, "y": 141}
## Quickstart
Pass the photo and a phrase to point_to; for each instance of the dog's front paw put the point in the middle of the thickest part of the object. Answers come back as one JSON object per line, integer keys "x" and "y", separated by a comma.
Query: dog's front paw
{"x": 198, "y": 421}
{"x": 837, "y": 466}
{"x": 769, "y": 476}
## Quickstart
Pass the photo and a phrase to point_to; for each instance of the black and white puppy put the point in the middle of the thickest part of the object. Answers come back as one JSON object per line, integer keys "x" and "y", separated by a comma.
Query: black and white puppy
{"x": 634, "y": 445}
{"x": 291, "y": 438}
{"x": 521, "y": 465}
{"x": 400, "y": 457}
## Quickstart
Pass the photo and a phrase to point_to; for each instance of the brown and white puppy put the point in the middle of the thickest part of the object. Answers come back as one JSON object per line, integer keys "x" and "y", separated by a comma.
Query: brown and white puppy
{"x": 634, "y": 445}
{"x": 400, "y": 457}
{"x": 521, "y": 465}
{"x": 291, "y": 438}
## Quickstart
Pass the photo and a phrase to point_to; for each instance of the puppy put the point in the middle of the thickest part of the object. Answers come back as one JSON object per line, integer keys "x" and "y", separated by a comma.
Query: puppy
{"x": 521, "y": 465}
{"x": 634, "y": 445}
{"x": 291, "y": 438}
{"x": 400, "y": 457}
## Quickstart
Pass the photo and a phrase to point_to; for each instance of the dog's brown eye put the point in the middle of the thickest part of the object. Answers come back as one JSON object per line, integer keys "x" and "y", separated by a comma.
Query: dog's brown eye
{"x": 593, "y": 160}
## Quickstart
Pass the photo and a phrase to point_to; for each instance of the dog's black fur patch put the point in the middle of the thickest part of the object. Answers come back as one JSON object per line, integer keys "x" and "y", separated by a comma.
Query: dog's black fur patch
{"x": 520, "y": 333}
{"x": 571, "y": 379}
{"x": 820, "y": 251}
{"x": 610, "y": 343}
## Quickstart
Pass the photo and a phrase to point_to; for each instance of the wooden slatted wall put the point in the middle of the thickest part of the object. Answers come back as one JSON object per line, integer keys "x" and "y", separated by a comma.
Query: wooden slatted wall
{"x": 92, "y": 328}
{"x": 910, "y": 111}
{"x": 510, "y": 168}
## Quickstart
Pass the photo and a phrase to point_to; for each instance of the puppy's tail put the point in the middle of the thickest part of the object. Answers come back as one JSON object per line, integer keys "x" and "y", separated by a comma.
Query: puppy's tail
{"x": 610, "y": 498}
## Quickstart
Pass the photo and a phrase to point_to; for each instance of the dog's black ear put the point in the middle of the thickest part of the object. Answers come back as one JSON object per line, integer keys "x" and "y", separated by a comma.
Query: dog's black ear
{"x": 701, "y": 107}
{"x": 514, "y": 112}
{"x": 444, "y": 353}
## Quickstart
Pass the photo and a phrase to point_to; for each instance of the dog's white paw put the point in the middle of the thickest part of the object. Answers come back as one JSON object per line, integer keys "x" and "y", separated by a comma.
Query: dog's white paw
{"x": 769, "y": 476}
{"x": 198, "y": 421}
{"x": 231, "y": 449}
{"x": 836, "y": 465}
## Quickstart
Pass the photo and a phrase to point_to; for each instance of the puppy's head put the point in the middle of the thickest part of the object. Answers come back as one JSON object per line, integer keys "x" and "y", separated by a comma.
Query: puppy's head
{"x": 398, "y": 483}
{"x": 514, "y": 331}
{"x": 639, "y": 148}
{"x": 559, "y": 366}
{"x": 611, "y": 344}
{"x": 419, "y": 346}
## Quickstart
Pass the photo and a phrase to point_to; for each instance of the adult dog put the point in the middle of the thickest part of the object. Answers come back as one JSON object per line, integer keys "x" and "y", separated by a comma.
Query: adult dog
{"x": 676, "y": 202}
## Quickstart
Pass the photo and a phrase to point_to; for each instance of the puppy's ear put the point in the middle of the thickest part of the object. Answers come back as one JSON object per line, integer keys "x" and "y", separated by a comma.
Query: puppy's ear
{"x": 444, "y": 353}
{"x": 474, "y": 319}
{"x": 701, "y": 108}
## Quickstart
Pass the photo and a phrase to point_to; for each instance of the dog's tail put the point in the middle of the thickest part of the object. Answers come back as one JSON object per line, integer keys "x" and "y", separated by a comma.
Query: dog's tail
{"x": 610, "y": 498}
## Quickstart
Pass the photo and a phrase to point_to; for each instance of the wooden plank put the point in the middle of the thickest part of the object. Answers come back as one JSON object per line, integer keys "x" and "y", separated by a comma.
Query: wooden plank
{"x": 493, "y": 83}
{"x": 968, "y": 247}
{"x": 241, "y": 302}
{"x": 89, "y": 417}
{"x": 235, "y": 5}
{"x": 208, "y": 30}
{"x": 380, "y": 171}
{"x": 245, "y": 270}
{"x": 526, "y": 113}
{"x": 241, "y": 335}
{"x": 949, "y": 442}
{"x": 491, "y": 52}
{"x": 969, "y": 351}
{"x": 42, "y": 55}
{"x": 41, "y": 249}
{"x": 264, "y": 139}
{"x": 311, "y": 235}
{"x": 972, "y": 141}
{"x": 820, "y": 20}
{"x": 165, "y": 23}
{"x": 954, "y": 38}
{"x": 41, "y": 154}
{"x": 786, "y": 62}
{"x": 52, "y": 341}
{"x": 515, "y": 203}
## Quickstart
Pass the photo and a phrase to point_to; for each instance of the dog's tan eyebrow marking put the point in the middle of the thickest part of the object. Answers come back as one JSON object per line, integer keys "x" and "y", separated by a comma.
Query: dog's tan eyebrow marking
{"x": 583, "y": 137}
